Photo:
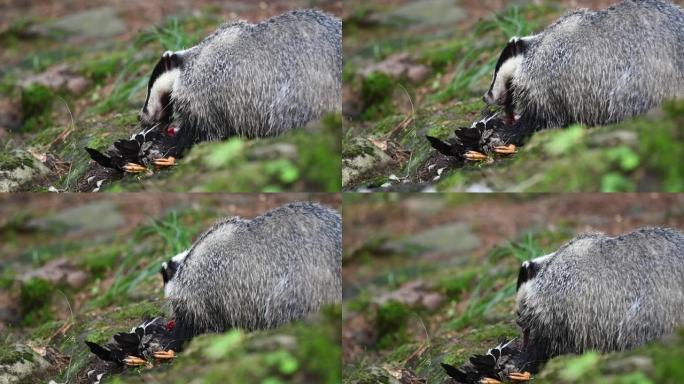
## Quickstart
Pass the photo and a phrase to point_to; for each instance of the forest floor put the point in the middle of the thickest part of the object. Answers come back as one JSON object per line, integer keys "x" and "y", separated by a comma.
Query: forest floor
{"x": 431, "y": 279}
{"x": 76, "y": 268}
{"x": 417, "y": 68}
{"x": 74, "y": 74}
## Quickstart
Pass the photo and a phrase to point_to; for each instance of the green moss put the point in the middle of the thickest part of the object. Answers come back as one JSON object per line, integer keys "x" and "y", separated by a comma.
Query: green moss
{"x": 376, "y": 93}
{"x": 35, "y": 293}
{"x": 141, "y": 310}
{"x": 99, "y": 335}
{"x": 9, "y": 355}
{"x": 492, "y": 333}
{"x": 391, "y": 323}
{"x": 36, "y": 104}
{"x": 10, "y": 159}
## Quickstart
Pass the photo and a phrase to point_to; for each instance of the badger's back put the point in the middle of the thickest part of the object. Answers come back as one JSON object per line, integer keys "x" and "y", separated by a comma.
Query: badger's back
{"x": 260, "y": 273}
{"x": 602, "y": 67}
{"x": 606, "y": 293}
{"x": 261, "y": 79}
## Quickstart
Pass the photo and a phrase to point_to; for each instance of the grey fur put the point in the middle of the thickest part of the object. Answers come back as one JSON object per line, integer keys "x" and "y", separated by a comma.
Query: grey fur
{"x": 257, "y": 80}
{"x": 599, "y": 67}
{"x": 604, "y": 293}
{"x": 260, "y": 273}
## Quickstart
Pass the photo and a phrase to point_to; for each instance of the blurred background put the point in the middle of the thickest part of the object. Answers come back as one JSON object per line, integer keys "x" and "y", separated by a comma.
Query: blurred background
{"x": 416, "y": 68}
{"x": 83, "y": 267}
{"x": 431, "y": 278}
{"x": 74, "y": 74}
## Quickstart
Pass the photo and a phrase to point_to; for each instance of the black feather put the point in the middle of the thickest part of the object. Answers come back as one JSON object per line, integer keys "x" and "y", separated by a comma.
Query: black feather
{"x": 99, "y": 351}
{"x": 457, "y": 374}
{"x": 441, "y": 146}
{"x": 100, "y": 158}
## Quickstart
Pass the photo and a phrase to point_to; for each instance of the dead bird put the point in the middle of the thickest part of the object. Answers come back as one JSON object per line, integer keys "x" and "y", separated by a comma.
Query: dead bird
{"x": 466, "y": 143}
{"x": 501, "y": 363}
{"x": 134, "y": 155}
{"x": 151, "y": 338}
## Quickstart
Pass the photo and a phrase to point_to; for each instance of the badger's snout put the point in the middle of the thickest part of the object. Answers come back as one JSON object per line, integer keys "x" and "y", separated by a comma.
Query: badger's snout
{"x": 489, "y": 98}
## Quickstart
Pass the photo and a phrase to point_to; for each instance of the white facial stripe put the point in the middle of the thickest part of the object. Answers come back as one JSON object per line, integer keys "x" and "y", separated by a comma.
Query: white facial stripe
{"x": 506, "y": 72}
{"x": 542, "y": 259}
{"x": 179, "y": 257}
{"x": 162, "y": 86}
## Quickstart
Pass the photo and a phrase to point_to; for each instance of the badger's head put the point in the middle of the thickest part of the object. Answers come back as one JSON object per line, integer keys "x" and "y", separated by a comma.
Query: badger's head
{"x": 527, "y": 291}
{"x": 500, "y": 91}
{"x": 169, "y": 269}
{"x": 158, "y": 106}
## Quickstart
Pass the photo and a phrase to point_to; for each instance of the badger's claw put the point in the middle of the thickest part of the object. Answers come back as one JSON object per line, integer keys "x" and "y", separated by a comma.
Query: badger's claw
{"x": 134, "y": 361}
{"x": 520, "y": 376}
{"x": 475, "y": 156}
{"x": 488, "y": 380}
{"x": 134, "y": 168}
{"x": 165, "y": 162}
{"x": 505, "y": 149}
{"x": 165, "y": 355}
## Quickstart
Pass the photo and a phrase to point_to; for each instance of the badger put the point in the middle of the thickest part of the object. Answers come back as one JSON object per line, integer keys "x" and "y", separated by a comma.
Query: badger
{"x": 590, "y": 67}
{"x": 602, "y": 293}
{"x": 256, "y": 274}
{"x": 250, "y": 80}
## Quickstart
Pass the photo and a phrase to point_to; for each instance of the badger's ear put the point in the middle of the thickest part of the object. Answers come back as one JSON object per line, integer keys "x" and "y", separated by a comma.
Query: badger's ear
{"x": 168, "y": 270}
{"x": 170, "y": 60}
{"x": 518, "y": 46}
{"x": 528, "y": 271}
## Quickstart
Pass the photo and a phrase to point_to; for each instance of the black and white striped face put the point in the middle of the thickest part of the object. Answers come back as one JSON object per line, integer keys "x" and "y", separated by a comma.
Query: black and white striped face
{"x": 510, "y": 60}
{"x": 157, "y": 106}
{"x": 528, "y": 272}
{"x": 169, "y": 268}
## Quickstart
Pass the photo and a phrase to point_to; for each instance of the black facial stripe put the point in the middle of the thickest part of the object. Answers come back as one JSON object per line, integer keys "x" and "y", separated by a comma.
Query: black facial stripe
{"x": 527, "y": 272}
{"x": 169, "y": 271}
{"x": 512, "y": 49}
{"x": 165, "y": 64}
{"x": 158, "y": 70}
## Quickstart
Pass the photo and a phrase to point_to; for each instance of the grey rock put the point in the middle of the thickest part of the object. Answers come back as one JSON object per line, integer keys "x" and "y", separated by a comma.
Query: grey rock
{"x": 96, "y": 217}
{"x": 423, "y": 13}
{"x": 26, "y": 364}
{"x": 360, "y": 157}
{"x": 90, "y": 24}
{"x": 445, "y": 239}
